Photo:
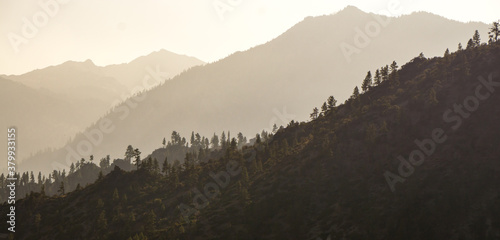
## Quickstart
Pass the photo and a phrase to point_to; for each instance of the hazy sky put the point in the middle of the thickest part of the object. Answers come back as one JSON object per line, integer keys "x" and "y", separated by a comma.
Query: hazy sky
{"x": 116, "y": 31}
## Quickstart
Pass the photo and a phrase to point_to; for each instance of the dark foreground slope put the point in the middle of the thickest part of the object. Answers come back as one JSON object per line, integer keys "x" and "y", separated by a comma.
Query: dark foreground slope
{"x": 330, "y": 177}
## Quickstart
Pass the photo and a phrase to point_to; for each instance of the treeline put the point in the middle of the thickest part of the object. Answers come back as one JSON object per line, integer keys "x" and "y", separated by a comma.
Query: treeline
{"x": 84, "y": 172}
{"x": 114, "y": 206}
{"x": 171, "y": 214}
{"x": 389, "y": 73}
{"x": 59, "y": 182}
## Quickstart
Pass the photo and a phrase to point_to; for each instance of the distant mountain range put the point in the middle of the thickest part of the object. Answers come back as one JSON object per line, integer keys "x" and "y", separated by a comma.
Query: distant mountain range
{"x": 51, "y": 105}
{"x": 414, "y": 157}
{"x": 271, "y": 83}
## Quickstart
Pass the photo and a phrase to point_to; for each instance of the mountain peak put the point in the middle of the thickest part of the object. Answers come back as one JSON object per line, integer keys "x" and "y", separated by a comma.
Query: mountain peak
{"x": 71, "y": 63}
{"x": 351, "y": 9}
{"x": 89, "y": 62}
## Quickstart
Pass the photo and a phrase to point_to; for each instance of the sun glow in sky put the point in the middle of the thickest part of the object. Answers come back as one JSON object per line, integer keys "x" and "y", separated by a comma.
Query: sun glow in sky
{"x": 36, "y": 34}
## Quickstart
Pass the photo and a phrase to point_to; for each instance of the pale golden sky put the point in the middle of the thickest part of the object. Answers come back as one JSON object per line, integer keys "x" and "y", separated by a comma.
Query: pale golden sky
{"x": 117, "y": 31}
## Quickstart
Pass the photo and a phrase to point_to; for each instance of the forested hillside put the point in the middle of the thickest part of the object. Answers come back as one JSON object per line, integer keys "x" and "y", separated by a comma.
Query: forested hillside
{"x": 413, "y": 154}
{"x": 272, "y": 83}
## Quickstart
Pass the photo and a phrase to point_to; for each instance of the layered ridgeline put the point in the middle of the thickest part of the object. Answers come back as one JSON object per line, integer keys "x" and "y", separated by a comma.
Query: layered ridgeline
{"x": 271, "y": 83}
{"x": 51, "y": 105}
{"x": 86, "y": 171}
{"x": 414, "y": 157}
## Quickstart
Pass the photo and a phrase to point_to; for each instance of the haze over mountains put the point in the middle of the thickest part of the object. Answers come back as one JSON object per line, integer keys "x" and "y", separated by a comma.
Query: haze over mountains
{"x": 413, "y": 157}
{"x": 51, "y": 105}
{"x": 271, "y": 83}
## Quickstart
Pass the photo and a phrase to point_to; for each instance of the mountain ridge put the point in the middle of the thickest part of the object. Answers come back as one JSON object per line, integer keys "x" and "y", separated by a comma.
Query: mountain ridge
{"x": 91, "y": 91}
{"x": 319, "y": 179}
{"x": 303, "y": 65}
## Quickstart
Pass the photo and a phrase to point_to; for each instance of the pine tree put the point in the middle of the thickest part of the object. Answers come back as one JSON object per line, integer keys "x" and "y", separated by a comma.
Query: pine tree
{"x": 108, "y": 159}
{"x": 39, "y": 178}
{"x": 192, "y": 140}
{"x": 476, "y": 39}
{"x": 394, "y": 76}
{"x": 215, "y": 141}
{"x": 197, "y": 139}
{"x": 470, "y": 44}
{"x": 494, "y": 32}
{"x": 72, "y": 168}
{"x": 103, "y": 163}
{"x": 137, "y": 155}
{"x": 460, "y": 48}
{"x": 129, "y": 153}
{"x": 264, "y": 135}
{"x": 355, "y": 93}
{"x": 314, "y": 114}
{"x": 324, "y": 108}
{"x": 32, "y": 178}
{"x": 257, "y": 139}
{"x": 233, "y": 144}
{"x": 223, "y": 140}
{"x": 394, "y": 67}
{"x": 332, "y": 102}
{"x": 156, "y": 166}
{"x": 384, "y": 72}
{"x": 377, "y": 78}
{"x": 175, "y": 138}
{"x": 447, "y": 53}
{"x": 275, "y": 128}
{"x": 164, "y": 142}
{"x": 166, "y": 166}
{"x": 367, "y": 83}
